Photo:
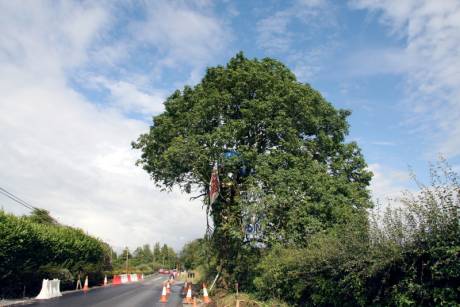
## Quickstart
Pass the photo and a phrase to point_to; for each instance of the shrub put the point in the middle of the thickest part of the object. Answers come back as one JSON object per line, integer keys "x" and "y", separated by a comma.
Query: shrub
{"x": 408, "y": 256}
{"x": 426, "y": 231}
{"x": 32, "y": 251}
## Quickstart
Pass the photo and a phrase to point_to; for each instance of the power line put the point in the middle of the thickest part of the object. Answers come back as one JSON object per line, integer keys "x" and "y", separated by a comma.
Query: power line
{"x": 16, "y": 199}
{"x": 12, "y": 197}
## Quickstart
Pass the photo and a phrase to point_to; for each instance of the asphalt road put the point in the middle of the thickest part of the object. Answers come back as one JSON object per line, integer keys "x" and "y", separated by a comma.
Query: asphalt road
{"x": 145, "y": 293}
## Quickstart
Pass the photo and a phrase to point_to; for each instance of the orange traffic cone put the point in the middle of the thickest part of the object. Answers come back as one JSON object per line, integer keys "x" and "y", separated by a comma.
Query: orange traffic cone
{"x": 85, "y": 287}
{"x": 184, "y": 290}
{"x": 105, "y": 280}
{"x": 188, "y": 298}
{"x": 206, "y": 298}
{"x": 163, "y": 298}
{"x": 168, "y": 288}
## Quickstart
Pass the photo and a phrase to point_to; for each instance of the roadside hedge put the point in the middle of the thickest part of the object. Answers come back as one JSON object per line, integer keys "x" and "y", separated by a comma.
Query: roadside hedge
{"x": 405, "y": 256}
{"x": 31, "y": 251}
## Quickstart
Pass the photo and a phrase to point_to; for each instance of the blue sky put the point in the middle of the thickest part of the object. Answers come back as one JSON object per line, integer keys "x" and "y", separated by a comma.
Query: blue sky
{"x": 81, "y": 80}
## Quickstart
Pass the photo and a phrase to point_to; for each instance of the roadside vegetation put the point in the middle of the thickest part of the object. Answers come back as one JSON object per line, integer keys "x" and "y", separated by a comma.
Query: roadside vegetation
{"x": 406, "y": 256}
{"x": 406, "y": 253}
{"x": 286, "y": 173}
{"x": 145, "y": 259}
{"x": 36, "y": 247}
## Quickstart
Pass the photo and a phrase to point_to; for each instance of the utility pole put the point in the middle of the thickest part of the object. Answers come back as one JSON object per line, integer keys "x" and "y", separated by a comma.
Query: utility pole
{"x": 127, "y": 260}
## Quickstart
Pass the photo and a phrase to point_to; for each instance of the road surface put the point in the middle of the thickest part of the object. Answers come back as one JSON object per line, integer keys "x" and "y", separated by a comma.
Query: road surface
{"x": 144, "y": 293}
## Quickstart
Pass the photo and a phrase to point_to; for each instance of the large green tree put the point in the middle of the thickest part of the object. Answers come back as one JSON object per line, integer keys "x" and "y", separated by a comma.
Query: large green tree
{"x": 281, "y": 152}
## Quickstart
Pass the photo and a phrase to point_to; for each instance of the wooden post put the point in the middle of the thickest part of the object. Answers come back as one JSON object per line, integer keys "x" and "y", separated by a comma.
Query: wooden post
{"x": 127, "y": 261}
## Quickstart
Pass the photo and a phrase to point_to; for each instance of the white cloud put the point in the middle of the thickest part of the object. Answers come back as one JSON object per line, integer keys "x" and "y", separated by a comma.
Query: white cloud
{"x": 110, "y": 55}
{"x": 62, "y": 152}
{"x": 307, "y": 64}
{"x": 387, "y": 183}
{"x": 431, "y": 30}
{"x": 273, "y": 32}
{"x": 129, "y": 98}
{"x": 31, "y": 41}
{"x": 277, "y": 36}
{"x": 182, "y": 33}
{"x": 389, "y": 61}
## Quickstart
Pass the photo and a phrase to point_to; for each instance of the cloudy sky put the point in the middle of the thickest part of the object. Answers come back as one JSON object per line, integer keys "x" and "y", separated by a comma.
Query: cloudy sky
{"x": 80, "y": 80}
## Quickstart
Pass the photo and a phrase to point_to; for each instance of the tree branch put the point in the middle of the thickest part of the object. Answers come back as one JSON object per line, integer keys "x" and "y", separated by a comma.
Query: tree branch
{"x": 195, "y": 197}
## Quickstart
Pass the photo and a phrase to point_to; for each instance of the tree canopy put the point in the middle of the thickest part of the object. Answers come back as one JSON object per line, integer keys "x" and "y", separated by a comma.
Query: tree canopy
{"x": 280, "y": 149}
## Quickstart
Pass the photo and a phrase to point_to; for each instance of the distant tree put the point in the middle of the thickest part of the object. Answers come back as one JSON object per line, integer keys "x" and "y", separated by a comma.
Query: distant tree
{"x": 125, "y": 251}
{"x": 137, "y": 252}
{"x": 166, "y": 256}
{"x": 143, "y": 254}
{"x": 137, "y": 257}
{"x": 147, "y": 254}
{"x": 172, "y": 257}
{"x": 42, "y": 216}
{"x": 193, "y": 254}
{"x": 114, "y": 255}
{"x": 157, "y": 252}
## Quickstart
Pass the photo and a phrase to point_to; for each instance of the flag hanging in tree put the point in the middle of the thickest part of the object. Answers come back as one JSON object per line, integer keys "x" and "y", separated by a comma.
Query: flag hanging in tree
{"x": 214, "y": 185}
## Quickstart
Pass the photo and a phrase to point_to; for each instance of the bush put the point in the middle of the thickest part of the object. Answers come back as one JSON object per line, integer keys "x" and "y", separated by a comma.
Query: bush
{"x": 409, "y": 256}
{"x": 426, "y": 231}
{"x": 319, "y": 274}
{"x": 31, "y": 251}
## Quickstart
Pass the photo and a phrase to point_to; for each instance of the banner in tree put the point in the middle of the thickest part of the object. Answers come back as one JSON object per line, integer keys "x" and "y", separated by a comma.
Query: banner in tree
{"x": 214, "y": 185}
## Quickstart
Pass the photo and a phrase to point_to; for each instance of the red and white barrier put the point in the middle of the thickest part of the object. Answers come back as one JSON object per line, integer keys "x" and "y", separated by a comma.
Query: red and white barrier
{"x": 124, "y": 278}
{"x": 116, "y": 280}
{"x": 127, "y": 278}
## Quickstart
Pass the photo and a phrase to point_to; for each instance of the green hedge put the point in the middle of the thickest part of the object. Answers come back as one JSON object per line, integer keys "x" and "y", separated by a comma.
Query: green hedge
{"x": 406, "y": 256}
{"x": 30, "y": 252}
